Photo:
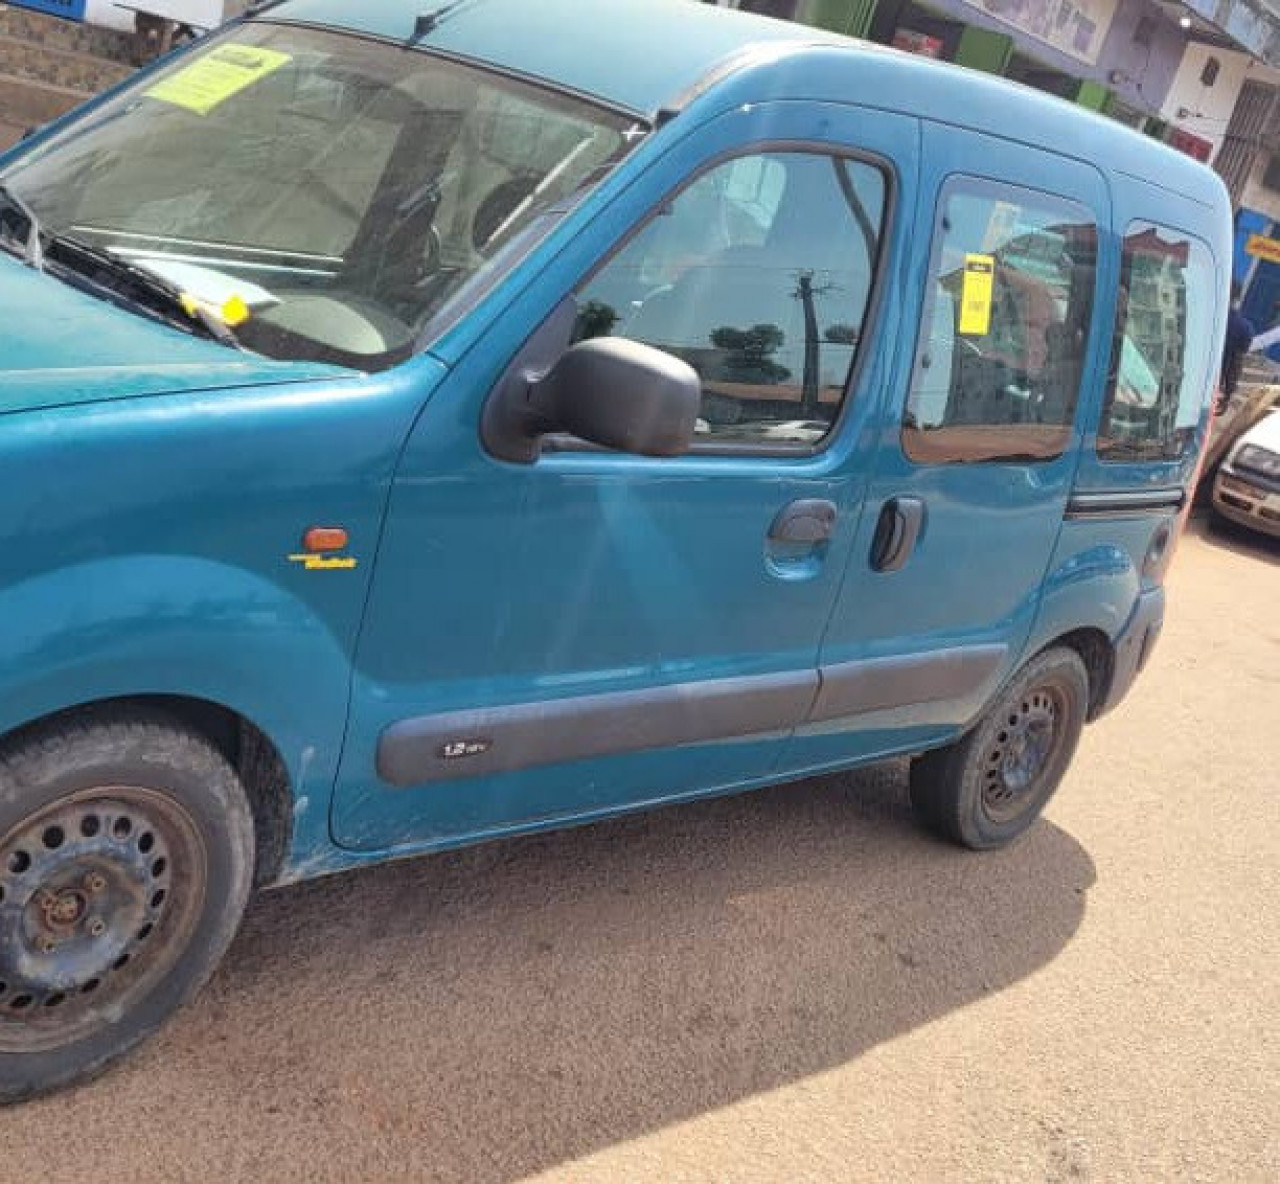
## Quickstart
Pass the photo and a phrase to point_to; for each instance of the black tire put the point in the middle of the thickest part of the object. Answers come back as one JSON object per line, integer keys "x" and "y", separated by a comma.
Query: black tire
{"x": 126, "y": 859}
{"x": 988, "y": 787}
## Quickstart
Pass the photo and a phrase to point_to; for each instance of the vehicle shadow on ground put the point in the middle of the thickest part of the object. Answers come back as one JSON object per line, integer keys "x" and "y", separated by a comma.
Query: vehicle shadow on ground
{"x": 485, "y": 1014}
{"x": 1240, "y": 540}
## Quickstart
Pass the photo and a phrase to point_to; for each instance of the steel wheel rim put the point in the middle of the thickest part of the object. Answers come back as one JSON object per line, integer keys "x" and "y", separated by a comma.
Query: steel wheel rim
{"x": 100, "y": 893}
{"x": 1023, "y": 749}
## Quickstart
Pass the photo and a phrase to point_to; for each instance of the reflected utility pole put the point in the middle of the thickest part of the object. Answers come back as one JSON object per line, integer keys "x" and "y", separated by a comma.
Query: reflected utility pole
{"x": 810, "y": 382}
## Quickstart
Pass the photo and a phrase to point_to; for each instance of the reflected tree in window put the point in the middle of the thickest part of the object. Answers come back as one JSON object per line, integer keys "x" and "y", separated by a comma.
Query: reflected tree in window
{"x": 596, "y": 319}
{"x": 748, "y": 354}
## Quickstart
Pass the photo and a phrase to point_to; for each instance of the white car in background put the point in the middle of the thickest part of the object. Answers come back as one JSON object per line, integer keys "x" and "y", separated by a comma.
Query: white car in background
{"x": 1247, "y": 487}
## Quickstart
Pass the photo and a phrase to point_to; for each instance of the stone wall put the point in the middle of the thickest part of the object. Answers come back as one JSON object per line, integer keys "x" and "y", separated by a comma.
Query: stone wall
{"x": 48, "y": 66}
{"x": 38, "y": 29}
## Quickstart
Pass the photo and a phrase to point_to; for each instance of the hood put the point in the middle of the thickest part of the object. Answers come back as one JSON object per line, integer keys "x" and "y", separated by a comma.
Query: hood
{"x": 59, "y": 346}
{"x": 1265, "y": 433}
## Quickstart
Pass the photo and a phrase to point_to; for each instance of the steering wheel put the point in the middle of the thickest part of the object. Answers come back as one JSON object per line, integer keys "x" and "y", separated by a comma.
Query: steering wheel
{"x": 497, "y": 209}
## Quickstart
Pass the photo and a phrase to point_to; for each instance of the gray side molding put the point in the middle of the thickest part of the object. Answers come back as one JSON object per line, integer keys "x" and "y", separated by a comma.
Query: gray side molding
{"x": 876, "y": 684}
{"x": 455, "y": 745}
{"x": 459, "y": 744}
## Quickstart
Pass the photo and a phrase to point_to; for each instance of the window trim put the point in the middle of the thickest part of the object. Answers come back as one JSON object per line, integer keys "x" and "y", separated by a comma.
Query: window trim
{"x": 563, "y": 443}
{"x": 535, "y": 81}
{"x": 1106, "y": 455}
{"x": 971, "y": 183}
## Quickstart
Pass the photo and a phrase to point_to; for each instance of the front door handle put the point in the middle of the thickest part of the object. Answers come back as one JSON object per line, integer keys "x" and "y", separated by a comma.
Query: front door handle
{"x": 897, "y": 532}
{"x": 809, "y": 520}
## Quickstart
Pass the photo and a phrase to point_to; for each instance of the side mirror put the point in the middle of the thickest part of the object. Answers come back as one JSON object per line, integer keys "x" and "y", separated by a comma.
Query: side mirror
{"x": 620, "y": 394}
{"x": 607, "y": 390}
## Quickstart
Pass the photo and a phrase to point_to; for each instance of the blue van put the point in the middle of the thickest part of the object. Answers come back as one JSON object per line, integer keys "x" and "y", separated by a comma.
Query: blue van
{"x": 427, "y": 426}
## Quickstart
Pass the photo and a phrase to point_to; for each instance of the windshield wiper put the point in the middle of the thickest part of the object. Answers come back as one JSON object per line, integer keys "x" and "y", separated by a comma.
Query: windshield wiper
{"x": 426, "y": 23}
{"x": 136, "y": 285}
{"x": 32, "y": 248}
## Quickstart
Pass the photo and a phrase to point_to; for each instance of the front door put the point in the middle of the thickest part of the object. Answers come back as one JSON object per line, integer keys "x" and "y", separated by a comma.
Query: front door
{"x": 977, "y": 451}
{"x": 592, "y": 631}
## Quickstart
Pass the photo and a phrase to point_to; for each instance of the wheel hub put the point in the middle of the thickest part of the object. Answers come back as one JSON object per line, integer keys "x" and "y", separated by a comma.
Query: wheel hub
{"x": 84, "y": 903}
{"x": 83, "y": 887}
{"x": 1020, "y": 753}
{"x": 64, "y": 910}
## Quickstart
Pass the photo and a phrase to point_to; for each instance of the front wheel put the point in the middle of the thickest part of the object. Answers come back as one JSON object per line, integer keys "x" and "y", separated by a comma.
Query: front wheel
{"x": 988, "y": 787}
{"x": 126, "y": 859}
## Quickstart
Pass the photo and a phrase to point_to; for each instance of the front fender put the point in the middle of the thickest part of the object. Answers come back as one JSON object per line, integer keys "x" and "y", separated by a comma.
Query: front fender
{"x": 150, "y": 545}
{"x": 178, "y": 625}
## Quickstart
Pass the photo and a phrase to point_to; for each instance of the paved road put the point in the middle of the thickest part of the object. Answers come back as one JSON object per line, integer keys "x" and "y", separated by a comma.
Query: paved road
{"x": 792, "y": 985}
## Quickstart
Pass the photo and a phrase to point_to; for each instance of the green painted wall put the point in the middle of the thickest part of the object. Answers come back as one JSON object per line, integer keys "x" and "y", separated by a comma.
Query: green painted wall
{"x": 851, "y": 17}
{"x": 980, "y": 49}
{"x": 1093, "y": 95}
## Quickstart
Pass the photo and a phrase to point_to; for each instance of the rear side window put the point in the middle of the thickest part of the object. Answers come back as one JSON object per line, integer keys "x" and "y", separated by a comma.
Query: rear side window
{"x": 1006, "y": 327}
{"x": 1163, "y": 346}
{"x": 759, "y": 275}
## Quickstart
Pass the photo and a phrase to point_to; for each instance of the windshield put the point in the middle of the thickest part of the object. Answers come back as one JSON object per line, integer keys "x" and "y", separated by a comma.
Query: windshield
{"x": 340, "y": 189}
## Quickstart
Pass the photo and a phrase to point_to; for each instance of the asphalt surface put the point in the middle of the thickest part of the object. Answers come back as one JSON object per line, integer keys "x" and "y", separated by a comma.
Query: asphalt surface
{"x": 790, "y": 985}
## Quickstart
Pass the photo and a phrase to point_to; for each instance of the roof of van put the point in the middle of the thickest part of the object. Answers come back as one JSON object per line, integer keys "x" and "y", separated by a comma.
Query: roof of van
{"x": 645, "y": 55}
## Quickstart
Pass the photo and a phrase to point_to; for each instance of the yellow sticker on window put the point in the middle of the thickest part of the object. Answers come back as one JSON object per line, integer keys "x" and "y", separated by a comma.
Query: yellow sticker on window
{"x": 975, "y": 296}
{"x": 217, "y": 75}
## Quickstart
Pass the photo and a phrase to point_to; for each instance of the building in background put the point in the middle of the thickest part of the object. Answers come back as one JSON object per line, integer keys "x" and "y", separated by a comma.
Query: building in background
{"x": 55, "y": 54}
{"x": 119, "y": 14}
{"x": 1203, "y": 75}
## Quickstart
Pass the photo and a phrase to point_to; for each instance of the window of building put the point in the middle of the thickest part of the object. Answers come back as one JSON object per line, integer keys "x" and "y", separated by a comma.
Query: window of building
{"x": 1163, "y": 347}
{"x": 997, "y": 372}
{"x": 1271, "y": 174}
{"x": 759, "y": 275}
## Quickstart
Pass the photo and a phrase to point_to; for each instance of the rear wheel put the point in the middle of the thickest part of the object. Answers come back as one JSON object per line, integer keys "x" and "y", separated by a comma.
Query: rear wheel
{"x": 989, "y": 786}
{"x": 126, "y": 857}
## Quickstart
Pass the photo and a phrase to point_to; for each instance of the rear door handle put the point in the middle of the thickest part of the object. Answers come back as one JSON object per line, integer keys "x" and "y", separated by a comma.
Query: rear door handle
{"x": 809, "y": 520}
{"x": 897, "y": 532}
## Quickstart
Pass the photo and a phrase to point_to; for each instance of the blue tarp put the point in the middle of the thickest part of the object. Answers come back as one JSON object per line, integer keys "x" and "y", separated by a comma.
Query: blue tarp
{"x": 73, "y": 10}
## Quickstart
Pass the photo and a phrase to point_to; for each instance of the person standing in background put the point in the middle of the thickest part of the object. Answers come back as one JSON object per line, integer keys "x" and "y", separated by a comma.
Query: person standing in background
{"x": 1238, "y": 342}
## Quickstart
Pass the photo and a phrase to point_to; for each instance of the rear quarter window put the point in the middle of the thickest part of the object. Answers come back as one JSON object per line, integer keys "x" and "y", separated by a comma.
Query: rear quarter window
{"x": 1163, "y": 346}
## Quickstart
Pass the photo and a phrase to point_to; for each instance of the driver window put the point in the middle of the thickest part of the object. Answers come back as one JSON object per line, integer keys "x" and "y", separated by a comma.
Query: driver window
{"x": 998, "y": 370}
{"x": 759, "y": 275}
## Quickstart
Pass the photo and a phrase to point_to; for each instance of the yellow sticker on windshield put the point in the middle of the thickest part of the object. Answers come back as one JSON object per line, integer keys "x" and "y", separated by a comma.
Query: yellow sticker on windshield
{"x": 975, "y": 296}
{"x": 217, "y": 75}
